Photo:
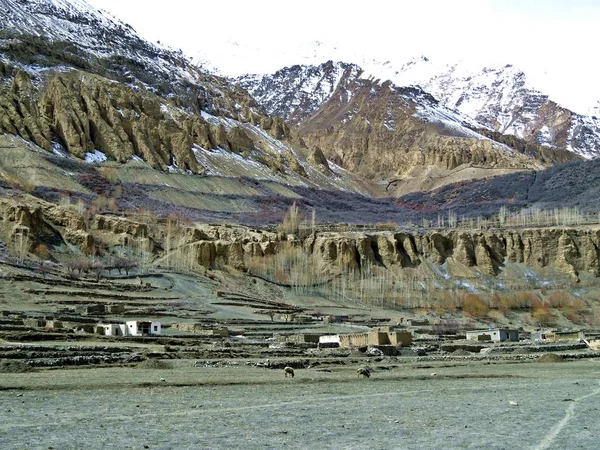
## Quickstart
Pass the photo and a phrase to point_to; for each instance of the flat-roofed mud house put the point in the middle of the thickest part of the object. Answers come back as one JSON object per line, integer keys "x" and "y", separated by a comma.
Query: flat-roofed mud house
{"x": 378, "y": 336}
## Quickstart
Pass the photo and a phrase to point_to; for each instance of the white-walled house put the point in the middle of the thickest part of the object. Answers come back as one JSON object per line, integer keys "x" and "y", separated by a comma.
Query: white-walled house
{"x": 496, "y": 335}
{"x": 329, "y": 340}
{"x": 142, "y": 327}
{"x": 113, "y": 329}
{"x": 131, "y": 328}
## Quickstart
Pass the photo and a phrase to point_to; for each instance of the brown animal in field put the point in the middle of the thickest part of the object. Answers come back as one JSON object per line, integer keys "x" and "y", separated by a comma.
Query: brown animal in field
{"x": 364, "y": 372}
{"x": 288, "y": 371}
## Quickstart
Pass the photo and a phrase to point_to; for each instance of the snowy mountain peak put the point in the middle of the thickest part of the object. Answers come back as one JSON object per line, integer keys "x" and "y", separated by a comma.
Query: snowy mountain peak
{"x": 295, "y": 92}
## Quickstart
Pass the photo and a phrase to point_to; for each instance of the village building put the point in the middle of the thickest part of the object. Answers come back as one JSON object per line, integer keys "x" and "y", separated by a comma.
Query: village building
{"x": 380, "y": 336}
{"x": 115, "y": 308}
{"x": 329, "y": 340}
{"x": 130, "y": 328}
{"x": 494, "y": 335}
{"x": 142, "y": 328}
{"x": 556, "y": 336}
{"x": 201, "y": 329}
{"x": 112, "y": 329}
{"x": 304, "y": 338}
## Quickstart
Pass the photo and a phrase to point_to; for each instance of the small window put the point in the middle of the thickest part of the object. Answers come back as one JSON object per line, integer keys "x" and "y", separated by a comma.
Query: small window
{"x": 155, "y": 328}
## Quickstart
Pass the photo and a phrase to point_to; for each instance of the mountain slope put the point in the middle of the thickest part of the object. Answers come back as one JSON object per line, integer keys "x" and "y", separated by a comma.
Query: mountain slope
{"x": 296, "y": 92}
{"x": 75, "y": 81}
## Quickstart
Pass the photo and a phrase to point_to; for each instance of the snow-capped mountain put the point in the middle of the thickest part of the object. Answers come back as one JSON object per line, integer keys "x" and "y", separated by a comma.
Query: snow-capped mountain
{"x": 499, "y": 99}
{"x": 379, "y": 129}
{"x": 296, "y": 92}
{"x": 503, "y": 99}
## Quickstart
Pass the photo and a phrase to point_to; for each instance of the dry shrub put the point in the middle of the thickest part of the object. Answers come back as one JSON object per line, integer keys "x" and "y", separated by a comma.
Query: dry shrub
{"x": 560, "y": 299}
{"x": 447, "y": 303}
{"x": 291, "y": 221}
{"x": 513, "y": 301}
{"x": 550, "y": 358}
{"x": 112, "y": 205}
{"x": 28, "y": 186}
{"x": 541, "y": 313}
{"x": 15, "y": 367}
{"x": 576, "y": 318}
{"x": 525, "y": 299}
{"x": 153, "y": 364}
{"x": 111, "y": 174}
{"x": 289, "y": 265}
{"x": 474, "y": 306}
{"x": 42, "y": 251}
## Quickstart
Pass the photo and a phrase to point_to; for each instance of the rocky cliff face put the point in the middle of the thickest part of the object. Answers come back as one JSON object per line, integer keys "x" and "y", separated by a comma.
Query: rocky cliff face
{"x": 83, "y": 113}
{"x": 570, "y": 250}
{"x": 75, "y": 80}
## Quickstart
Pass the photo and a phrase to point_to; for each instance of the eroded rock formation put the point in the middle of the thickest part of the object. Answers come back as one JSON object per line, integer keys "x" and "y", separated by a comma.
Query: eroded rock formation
{"x": 571, "y": 250}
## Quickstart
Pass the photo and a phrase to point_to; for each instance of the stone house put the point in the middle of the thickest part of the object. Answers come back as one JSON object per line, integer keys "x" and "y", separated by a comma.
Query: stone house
{"x": 112, "y": 329}
{"x": 201, "y": 329}
{"x": 376, "y": 337}
{"x": 304, "y": 338}
{"x": 557, "y": 336}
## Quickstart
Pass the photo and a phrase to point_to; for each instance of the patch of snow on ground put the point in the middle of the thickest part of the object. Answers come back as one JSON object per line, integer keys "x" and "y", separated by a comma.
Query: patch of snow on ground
{"x": 442, "y": 270}
{"x": 96, "y": 157}
{"x": 466, "y": 285}
{"x": 59, "y": 150}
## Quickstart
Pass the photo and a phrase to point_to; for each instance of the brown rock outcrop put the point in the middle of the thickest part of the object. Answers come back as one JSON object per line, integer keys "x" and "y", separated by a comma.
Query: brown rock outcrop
{"x": 119, "y": 225}
{"x": 317, "y": 159}
{"x": 569, "y": 250}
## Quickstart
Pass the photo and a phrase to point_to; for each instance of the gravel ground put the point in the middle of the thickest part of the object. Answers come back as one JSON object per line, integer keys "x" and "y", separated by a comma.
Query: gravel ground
{"x": 407, "y": 407}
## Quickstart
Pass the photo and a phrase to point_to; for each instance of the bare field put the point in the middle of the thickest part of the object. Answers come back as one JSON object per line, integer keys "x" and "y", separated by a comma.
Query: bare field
{"x": 403, "y": 407}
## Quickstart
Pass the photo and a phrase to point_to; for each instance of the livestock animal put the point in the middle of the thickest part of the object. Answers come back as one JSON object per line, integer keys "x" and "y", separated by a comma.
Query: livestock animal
{"x": 288, "y": 371}
{"x": 366, "y": 373}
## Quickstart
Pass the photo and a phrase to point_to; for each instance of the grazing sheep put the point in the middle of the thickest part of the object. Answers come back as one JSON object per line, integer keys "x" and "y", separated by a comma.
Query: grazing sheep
{"x": 288, "y": 371}
{"x": 366, "y": 373}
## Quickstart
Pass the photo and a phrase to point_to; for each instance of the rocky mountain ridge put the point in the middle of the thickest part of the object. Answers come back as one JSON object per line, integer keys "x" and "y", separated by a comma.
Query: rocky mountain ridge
{"x": 502, "y": 99}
